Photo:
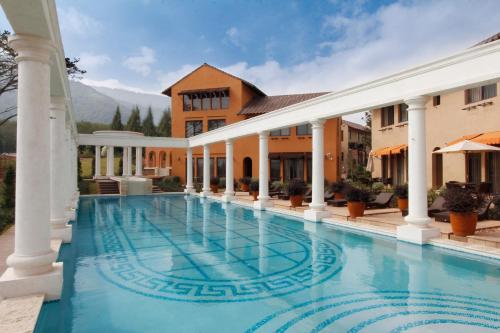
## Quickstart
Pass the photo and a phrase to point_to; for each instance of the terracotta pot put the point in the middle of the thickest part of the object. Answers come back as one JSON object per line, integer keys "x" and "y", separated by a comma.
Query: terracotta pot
{"x": 356, "y": 209}
{"x": 403, "y": 204}
{"x": 339, "y": 195}
{"x": 463, "y": 224}
{"x": 255, "y": 194}
{"x": 214, "y": 188}
{"x": 244, "y": 187}
{"x": 296, "y": 200}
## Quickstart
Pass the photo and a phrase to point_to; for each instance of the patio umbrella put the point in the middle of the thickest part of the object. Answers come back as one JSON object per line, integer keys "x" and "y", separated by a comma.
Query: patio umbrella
{"x": 369, "y": 165}
{"x": 467, "y": 146}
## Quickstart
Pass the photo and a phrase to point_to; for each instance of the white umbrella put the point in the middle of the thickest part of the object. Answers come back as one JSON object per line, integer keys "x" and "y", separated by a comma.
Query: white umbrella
{"x": 369, "y": 165}
{"x": 466, "y": 146}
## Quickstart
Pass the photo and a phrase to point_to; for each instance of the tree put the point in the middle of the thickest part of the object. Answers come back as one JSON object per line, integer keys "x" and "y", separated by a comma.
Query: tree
{"x": 8, "y": 73}
{"x": 134, "y": 121}
{"x": 165, "y": 125}
{"x": 8, "y": 197}
{"x": 148, "y": 126}
{"x": 116, "y": 123}
{"x": 367, "y": 117}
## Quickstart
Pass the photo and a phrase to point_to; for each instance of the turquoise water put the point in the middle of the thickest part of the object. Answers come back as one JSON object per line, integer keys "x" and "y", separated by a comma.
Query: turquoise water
{"x": 176, "y": 264}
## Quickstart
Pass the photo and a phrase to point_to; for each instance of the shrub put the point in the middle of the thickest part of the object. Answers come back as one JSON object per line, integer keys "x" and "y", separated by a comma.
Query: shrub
{"x": 494, "y": 212}
{"x": 401, "y": 191}
{"x": 460, "y": 200}
{"x": 338, "y": 186}
{"x": 378, "y": 187}
{"x": 214, "y": 181}
{"x": 254, "y": 186}
{"x": 277, "y": 185}
{"x": 245, "y": 180}
{"x": 83, "y": 187}
{"x": 357, "y": 195}
{"x": 296, "y": 187}
{"x": 222, "y": 182}
{"x": 170, "y": 184}
{"x": 8, "y": 197}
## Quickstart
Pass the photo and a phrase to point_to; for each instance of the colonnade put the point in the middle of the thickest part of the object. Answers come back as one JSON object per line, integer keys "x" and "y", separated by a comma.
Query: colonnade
{"x": 127, "y": 158}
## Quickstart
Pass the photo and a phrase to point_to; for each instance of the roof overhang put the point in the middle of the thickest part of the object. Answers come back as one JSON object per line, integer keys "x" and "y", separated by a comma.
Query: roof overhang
{"x": 129, "y": 139}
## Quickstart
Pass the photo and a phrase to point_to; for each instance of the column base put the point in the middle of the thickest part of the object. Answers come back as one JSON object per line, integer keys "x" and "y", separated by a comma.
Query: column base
{"x": 189, "y": 190}
{"x": 417, "y": 234}
{"x": 71, "y": 215}
{"x": 315, "y": 215}
{"x": 63, "y": 233}
{"x": 228, "y": 197}
{"x": 49, "y": 284}
{"x": 206, "y": 193}
{"x": 262, "y": 204}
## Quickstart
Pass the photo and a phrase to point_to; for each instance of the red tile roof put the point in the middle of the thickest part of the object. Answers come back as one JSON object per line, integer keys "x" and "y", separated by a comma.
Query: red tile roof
{"x": 489, "y": 39}
{"x": 265, "y": 104}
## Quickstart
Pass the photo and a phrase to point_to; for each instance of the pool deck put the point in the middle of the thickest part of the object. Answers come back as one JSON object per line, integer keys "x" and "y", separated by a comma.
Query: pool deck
{"x": 486, "y": 240}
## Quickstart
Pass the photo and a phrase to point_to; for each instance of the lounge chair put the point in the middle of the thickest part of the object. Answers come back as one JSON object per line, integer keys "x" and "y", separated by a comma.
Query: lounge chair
{"x": 482, "y": 212}
{"x": 337, "y": 202}
{"x": 308, "y": 195}
{"x": 437, "y": 206}
{"x": 382, "y": 200}
{"x": 275, "y": 190}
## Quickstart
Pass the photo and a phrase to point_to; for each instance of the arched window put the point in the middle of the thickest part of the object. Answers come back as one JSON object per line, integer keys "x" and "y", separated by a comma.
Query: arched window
{"x": 152, "y": 159}
{"x": 247, "y": 167}
{"x": 163, "y": 159}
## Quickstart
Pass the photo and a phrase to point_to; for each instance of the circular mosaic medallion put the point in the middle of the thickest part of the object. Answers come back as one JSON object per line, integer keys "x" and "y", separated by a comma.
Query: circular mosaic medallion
{"x": 386, "y": 311}
{"x": 216, "y": 265}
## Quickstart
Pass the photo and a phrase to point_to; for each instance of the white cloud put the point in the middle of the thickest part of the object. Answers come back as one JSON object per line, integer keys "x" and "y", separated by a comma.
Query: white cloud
{"x": 74, "y": 21}
{"x": 141, "y": 63}
{"x": 115, "y": 84}
{"x": 90, "y": 60}
{"x": 233, "y": 35}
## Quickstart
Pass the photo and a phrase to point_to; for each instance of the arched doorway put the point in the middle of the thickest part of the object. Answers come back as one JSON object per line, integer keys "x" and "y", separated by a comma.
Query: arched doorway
{"x": 247, "y": 167}
{"x": 152, "y": 159}
{"x": 437, "y": 169}
{"x": 163, "y": 159}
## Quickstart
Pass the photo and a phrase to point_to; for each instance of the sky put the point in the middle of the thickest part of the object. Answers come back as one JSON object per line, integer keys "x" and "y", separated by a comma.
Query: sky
{"x": 282, "y": 46}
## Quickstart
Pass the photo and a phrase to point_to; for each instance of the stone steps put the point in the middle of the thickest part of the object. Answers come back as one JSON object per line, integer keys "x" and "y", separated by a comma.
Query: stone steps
{"x": 19, "y": 314}
{"x": 107, "y": 187}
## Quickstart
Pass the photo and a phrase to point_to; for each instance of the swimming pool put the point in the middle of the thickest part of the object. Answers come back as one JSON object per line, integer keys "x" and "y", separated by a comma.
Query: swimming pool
{"x": 182, "y": 264}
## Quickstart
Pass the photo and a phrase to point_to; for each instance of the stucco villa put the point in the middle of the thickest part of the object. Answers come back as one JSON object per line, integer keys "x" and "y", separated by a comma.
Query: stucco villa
{"x": 472, "y": 114}
{"x": 209, "y": 98}
{"x": 355, "y": 143}
{"x": 194, "y": 261}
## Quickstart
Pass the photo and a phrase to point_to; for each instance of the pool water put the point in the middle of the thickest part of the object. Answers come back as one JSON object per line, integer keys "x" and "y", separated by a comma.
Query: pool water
{"x": 171, "y": 263}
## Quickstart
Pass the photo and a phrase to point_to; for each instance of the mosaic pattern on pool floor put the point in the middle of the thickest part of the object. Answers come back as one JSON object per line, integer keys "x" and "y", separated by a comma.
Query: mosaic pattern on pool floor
{"x": 209, "y": 258}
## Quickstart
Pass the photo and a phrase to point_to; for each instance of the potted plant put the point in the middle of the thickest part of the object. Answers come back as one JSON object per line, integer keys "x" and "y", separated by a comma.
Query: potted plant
{"x": 356, "y": 200}
{"x": 339, "y": 188}
{"x": 254, "y": 189}
{"x": 245, "y": 182}
{"x": 462, "y": 204}
{"x": 401, "y": 192}
{"x": 214, "y": 184}
{"x": 296, "y": 189}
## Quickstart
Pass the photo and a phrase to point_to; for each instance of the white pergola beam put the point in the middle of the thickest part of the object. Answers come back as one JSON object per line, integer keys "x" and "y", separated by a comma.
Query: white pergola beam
{"x": 477, "y": 65}
{"x": 131, "y": 141}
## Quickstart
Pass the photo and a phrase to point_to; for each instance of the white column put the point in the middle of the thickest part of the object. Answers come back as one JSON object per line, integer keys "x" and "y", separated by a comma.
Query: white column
{"x": 129, "y": 161}
{"x": 417, "y": 230}
{"x": 124, "y": 161}
{"x": 110, "y": 162}
{"x": 67, "y": 176}
{"x": 206, "y": 171}
{"x": 316, "y": 209}
{"x": 229, "y": 193}
{"x": 189, "y": 172}
{"x": 263, "y": 197}
{"x": 138, "y": 161}
{"x": 31, "y": 267}
{"x": 59, "y": 227}
{"x": 97, "y": 162}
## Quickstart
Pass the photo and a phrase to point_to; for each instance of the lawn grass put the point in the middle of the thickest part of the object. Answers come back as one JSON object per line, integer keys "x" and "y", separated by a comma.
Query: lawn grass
{"x": 87, "y": 167}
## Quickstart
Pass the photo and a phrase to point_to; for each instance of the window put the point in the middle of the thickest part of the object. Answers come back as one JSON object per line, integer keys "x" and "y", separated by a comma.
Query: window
{"x": 205, "y": 102}
{"x": 186, "y": 102}
{"x": 341, "y": 135}
{"x": 403, "y": 113}
{"x": 474, "y": 168}
{"x": 224, "y": 99}
{"x": 385, "y": 167}
{"x": 199, "y": 168}
{"x": 216, "y": 123}
{"x": 221, "y": 167}
{"x": 196, "y": 102}
{"x": 309, "y": 170}
{"x": 305, "y": 129}
{"x": 293, "y": 168}
{"x": 280, "y": 132}
{"x": 436, "y": 100}
{"x": 212, "y": 167}
{"x": 477, "y": 94}
{"x": 193, "y": 127}
{"x": 275, "y": 169}
{"x": 215, "y": 101}
{"x": 387, "y": 114}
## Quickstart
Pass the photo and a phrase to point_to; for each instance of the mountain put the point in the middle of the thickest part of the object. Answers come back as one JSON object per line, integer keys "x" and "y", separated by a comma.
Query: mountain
{"x": 98, "y": 105}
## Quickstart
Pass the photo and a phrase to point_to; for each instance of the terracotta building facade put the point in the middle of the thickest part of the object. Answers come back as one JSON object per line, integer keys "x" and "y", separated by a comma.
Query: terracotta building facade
{"x": 209, "y": 98}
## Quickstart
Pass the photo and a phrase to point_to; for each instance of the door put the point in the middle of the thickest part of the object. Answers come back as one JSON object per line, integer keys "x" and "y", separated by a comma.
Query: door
{"x": 247, "y": 167}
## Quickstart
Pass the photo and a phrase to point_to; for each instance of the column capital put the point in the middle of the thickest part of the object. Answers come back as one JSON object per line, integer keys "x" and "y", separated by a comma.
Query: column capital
{"x": 229, "y": 142}
{"x": 263, "y": 134}
{"x": 317, "y": 123}
{"x": 32, "y": 48}
{"x": 416, "y": 102}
